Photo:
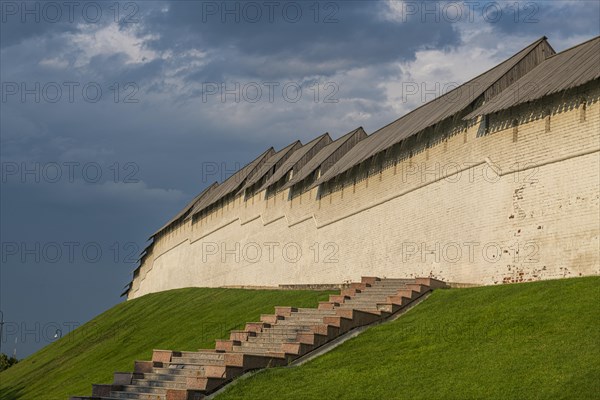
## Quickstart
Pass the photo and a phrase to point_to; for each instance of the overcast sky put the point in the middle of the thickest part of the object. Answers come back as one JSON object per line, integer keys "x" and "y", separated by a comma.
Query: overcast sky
{"x": 114, "y": 115}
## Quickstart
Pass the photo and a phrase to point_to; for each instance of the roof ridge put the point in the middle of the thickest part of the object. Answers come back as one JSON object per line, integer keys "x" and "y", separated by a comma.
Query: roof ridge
{"x": 337, "y": 143}
{"x": 550, "y": 62}
{"x": 317, "y": 138}
{"x": 571, "y": 48}
{"x": 289, "y": 145}
{"x": 295, "y": 158}
{"x": 538, "y": 41}
{"x": 263, "y": 155}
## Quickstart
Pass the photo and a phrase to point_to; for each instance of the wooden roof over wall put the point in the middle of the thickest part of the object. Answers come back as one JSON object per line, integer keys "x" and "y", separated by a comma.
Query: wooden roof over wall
{"x": 298, "y": 157}
{"x": 568, "y": 69}
{"x": 327, "y": 157}
{"x": 271, "y": 165}
{"x": 443, "y": 107}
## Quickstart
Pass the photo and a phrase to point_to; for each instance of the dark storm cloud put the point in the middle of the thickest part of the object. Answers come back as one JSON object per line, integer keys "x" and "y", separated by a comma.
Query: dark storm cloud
{"x": 357, "y": 34}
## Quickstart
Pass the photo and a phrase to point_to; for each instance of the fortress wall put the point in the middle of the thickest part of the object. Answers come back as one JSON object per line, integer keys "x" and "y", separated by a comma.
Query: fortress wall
{"x": 509, "y": 205}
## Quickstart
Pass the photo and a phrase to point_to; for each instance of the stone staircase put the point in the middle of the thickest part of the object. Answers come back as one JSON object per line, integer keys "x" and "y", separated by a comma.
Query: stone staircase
{"x": 276, "y": 340}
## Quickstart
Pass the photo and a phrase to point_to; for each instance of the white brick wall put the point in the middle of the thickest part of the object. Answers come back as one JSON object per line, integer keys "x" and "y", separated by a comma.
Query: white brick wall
{"x": 516, "y": 211}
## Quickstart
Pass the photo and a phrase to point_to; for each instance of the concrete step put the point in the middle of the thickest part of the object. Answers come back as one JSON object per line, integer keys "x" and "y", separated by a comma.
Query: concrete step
{"x": 159, "y": 383}
{"x": 271, "y": 318}
{"x": 359, "y": 305}
{"x": 301, "y": 322}
{"x": 93, "y": 398}
{"x": 291, "y": 328}
{"x": 366, "y": 308}
{"x": 183, "y": 369}
{"x": 241, "y": 334}
{"x": 280, "y": 310}
{"x": 373, "y": 297}
{"x": 389, "y": 283}
{"x": 419, "y": 288}
{"x": 256, "y": 326}
{"x": 193, "y": 361}
{"x": 206, "y": 353}
{"x": 306, "y": 338}
{"x": 275, "y": 334}
{"x": 314, "y": 311}
{"x": 159, "y": 390}
{"x": 166, "y": 374}
{"x": 137, "y": 396}
{"x": 272, "y": 339}
{"x": 169, "y": 394}
{"x": 307, "y": 316}
{"x": 380, "y": 290}
{"x": 361, "y": 300}
{"x": 395, "y": 280}
{"x": 302, "y": 318}
{"x": 291, "y": 349}
{"x": 387, "y": 286}
{"x": 188, "y": 382}
{"x": 390, "y": 306}
{"x": 337, "y": 298}
{"x": 179, "y": 374}
{"x": 328, "y": 330}
{"x": 368, "y": 295}
{"x": 197, "y": 358}
{"x": 376, "y": 291}
{"x": 248, "y": 361}
{"x": 261, "y": 345}
{"x": 275, "y": 358}
{"x": 327, "y": 305}
{"x": 258, "y": 350}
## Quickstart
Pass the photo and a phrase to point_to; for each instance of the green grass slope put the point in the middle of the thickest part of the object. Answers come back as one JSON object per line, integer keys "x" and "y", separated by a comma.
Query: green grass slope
{"x": 185, "y": 319}
{"x": 524, "y": 341}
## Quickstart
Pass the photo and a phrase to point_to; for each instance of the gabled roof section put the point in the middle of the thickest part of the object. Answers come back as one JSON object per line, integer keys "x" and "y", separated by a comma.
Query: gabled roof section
{"x": 298, "y": 158}
{"x": 271, "y": 165}
{"x": 205, "y": 193}
{"x": 448, "y": 105}
{"x": 126, "y": 289}
{"x": 232, "y": 184}
{"x": 568, "y": 69}
{"x": 325, "y": 158}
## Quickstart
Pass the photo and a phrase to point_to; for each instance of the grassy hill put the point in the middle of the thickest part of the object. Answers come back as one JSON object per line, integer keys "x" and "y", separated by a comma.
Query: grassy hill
{"x": 524, "y": 341}
{"x": 186, "y": 319}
